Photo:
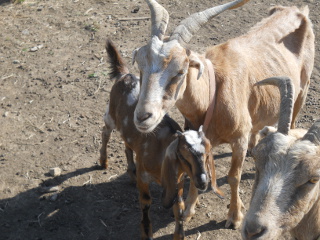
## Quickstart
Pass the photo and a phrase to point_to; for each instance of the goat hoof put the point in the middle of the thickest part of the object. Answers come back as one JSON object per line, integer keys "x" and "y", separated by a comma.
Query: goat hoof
{"x": 235, "y": 224}
{"x": 103, "y": 164}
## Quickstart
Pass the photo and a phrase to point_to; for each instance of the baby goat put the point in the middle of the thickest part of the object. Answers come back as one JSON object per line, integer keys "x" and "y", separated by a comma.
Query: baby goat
{"x": 162, "y": 156}
{"x": 286, "y": 192}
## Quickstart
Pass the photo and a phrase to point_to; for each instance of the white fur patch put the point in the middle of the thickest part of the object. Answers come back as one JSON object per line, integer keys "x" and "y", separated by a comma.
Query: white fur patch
{"x": 203, "y": 177}
{"x": 108, "y": 119}
{"x": 192, "y": 137}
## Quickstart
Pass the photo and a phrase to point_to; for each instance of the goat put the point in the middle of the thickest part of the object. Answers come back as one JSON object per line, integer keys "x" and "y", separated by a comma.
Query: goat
{"x": 162, "y": 156}
{"x": 282, "y": 44}
{"x": 286, "y": 191}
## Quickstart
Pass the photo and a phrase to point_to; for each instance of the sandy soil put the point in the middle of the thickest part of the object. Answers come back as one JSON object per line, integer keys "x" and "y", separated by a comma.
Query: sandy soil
{"x": 53, "y": 93}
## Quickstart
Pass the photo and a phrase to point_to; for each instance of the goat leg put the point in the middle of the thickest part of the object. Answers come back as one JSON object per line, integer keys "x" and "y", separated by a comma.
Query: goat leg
{"x": 239, "y": 149}
{"x": 106, "y": 133}
{"x": 178, "y": 209}
{"x": 191, "y": 202}
{"x": 145, "y": 203}
{"x": 131, "y": 170}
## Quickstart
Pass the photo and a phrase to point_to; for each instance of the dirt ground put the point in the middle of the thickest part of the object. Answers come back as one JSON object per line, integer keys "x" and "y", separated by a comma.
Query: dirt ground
{"x": 53, "y": 93}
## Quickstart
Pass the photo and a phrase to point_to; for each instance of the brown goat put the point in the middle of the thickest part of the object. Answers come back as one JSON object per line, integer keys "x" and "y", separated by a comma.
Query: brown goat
{"x": 163, "y": 156}
{"x": 280, "y": 45}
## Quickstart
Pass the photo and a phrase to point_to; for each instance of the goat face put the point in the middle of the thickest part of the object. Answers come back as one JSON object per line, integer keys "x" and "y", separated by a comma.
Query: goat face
{"x": 286, "y": 186}
{"x": 194, "y": 153}
{"x": 190, "y": 153}
{"x": 163, "y": 67}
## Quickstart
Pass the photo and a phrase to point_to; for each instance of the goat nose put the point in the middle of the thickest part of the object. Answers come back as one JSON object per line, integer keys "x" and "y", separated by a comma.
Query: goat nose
{"x": 141, "y": 117}
{"x": 254, "y": 230}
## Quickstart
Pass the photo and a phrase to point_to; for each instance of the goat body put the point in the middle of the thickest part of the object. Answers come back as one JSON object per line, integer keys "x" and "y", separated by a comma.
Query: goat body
{"x": 282, "y": 44}
{"x": 161, "y": 156}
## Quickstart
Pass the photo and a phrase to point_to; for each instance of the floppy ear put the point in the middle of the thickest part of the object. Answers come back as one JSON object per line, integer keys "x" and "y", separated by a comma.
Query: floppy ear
{"x": 212, "y": 173}
{"x": 169, "y": 175}
{"x": 194, "y": 61}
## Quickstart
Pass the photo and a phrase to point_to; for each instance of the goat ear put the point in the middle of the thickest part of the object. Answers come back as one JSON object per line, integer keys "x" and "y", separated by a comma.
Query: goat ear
{"x": 169, "y": 175}
{"x": 134, "y": 54}
{"x": 266, "y": 131}
{"x": 212, "y": 172}
{"x": 194, "y": 61}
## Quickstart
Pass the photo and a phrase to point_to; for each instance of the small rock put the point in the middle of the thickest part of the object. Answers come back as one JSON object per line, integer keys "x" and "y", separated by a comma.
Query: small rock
{"x": 15, "y": 61}
{"x": 55, "y": 172}
{"x": 54, "y": 197}
{"x": 36, "y": 48}
{"x": 25, "y": 32}
{"x": 50, "y": 189}
{"x": 5, "y": 114}
{"x": 136, "y": 9}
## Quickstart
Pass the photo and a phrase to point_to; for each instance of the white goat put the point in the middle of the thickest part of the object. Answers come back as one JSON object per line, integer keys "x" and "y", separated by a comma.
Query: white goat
{"x": 286, "y": 192}
{"x": 162, "y": 156}
{"x": 282, "y": 44}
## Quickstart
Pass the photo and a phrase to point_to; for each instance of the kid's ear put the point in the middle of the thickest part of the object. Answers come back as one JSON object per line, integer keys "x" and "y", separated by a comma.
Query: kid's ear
{"x": 169, "y": 175}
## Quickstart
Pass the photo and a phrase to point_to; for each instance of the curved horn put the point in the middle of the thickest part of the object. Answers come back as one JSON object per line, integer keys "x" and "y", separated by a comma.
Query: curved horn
{"x": 159, "y": 19}
{"x": 286, "y": 88}
{"x": 189, "y": 26}
{"x": 313, "y": 135}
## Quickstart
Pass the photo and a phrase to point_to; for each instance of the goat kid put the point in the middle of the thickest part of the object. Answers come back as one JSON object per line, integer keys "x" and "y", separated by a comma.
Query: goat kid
{"x": 286, "y": 192}
{"x": 171, "y": 74}
{"x": 162, "y": 156}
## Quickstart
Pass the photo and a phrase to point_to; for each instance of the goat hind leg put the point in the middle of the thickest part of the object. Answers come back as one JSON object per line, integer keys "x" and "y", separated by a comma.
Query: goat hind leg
{"x": 106, "y": 133}
{"x": 239, "y": 149}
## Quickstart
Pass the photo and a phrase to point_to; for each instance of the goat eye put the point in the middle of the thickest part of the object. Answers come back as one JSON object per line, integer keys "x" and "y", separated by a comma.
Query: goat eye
{"x": 180, "y": 73}
{"x": 314, "y": 180}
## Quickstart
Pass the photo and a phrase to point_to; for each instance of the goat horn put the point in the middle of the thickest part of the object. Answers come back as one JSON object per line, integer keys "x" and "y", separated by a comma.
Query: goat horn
{"x": 313, "y": 135}
{"x": 159, "y": 19}
{"x": 286, "y": 88}
{"x": 189, "y": 26}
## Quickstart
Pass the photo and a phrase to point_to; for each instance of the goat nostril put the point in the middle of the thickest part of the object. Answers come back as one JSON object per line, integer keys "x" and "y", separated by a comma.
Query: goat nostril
{"x": 143, "y": 117}
{"x": 254, "y": 232}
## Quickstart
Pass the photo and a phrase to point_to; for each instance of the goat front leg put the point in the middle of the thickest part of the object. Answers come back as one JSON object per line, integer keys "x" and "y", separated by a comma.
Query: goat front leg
{"x": 145, "y": 203}
{"x": 106, "y": 133}
{"x": 239, "y": 149}
{"x": 131, "y": 170}
{"x": 191, "y": 202}
{"x": 178, "y": 209}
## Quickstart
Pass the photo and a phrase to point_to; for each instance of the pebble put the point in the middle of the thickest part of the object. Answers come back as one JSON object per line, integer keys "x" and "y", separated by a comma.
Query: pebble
{"x": 36, "y": 48}
{"x": 50, "y": 189}
{"x": 55, "y": 172}
{"x": 5, "y": 114}
{"x": 15, "y": 61}
{"x": 54, "y": 197}
{"x": 25, "y": 32}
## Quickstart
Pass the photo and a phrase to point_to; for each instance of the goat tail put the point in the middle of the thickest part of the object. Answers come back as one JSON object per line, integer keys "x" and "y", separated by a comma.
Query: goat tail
{"x": 117, "y": 66}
